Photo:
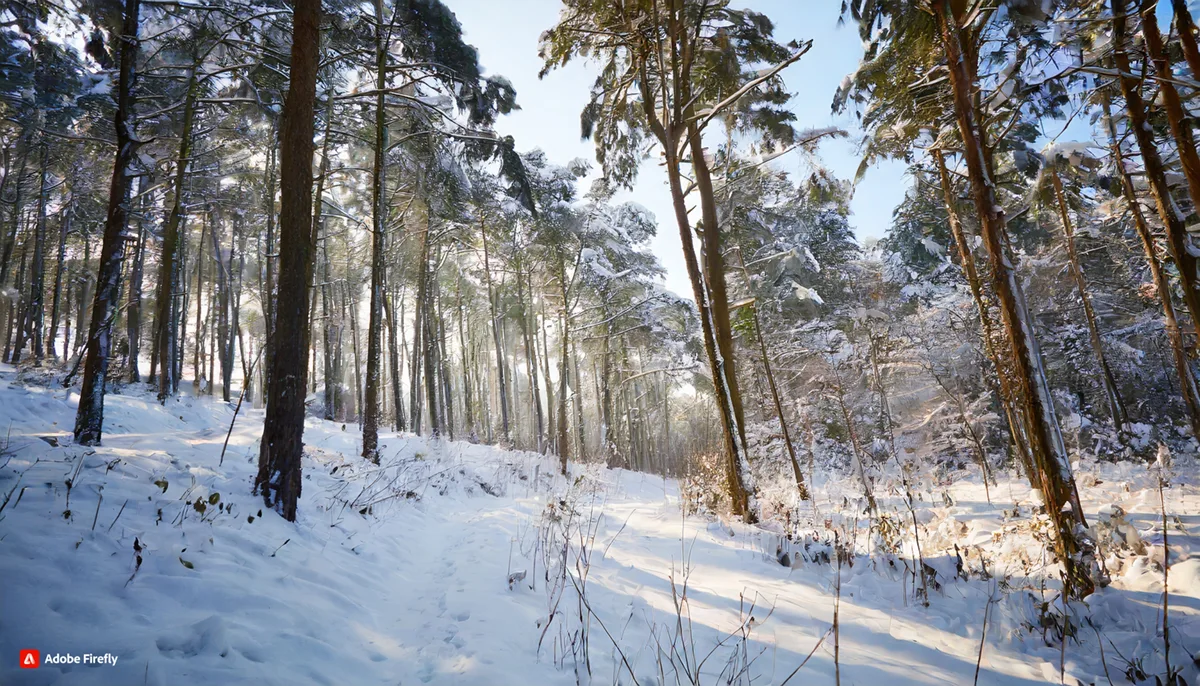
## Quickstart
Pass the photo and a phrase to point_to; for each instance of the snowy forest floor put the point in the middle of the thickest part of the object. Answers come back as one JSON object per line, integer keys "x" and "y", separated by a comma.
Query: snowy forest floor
{"x": 445, "y": 565}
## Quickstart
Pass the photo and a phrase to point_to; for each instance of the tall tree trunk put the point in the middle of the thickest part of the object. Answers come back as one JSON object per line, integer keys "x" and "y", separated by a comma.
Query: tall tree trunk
{"x": 133, "y": 313}
{"x": 168, "y": 273}
{"x": 1177, "y": 117}
{"x": 61, "y": 263}
{"x": 17, "y": 311}
{"x": 282, "y": 444}
{"x": 577, "y": 401}
{"x": 35, "y": 309}
{"x": 267, "y": 260}
{"x": 333, "y": 380}
{"x": 966, "y": 259}
{"x": 531, "y": 362}
{"x": 89, "y": 418}
{"x": 1048, "y": 453}
{"x": 1116, "y": 407}
{"x": 1187, "y": 379}
{"x": 198, "y": 349}
{"x": 468, "y": 405}
{"x": 371, "y": 409}
{"x": 718, "y": 311}
{"x": 222, "y": 302}
{"x": 447, "y": 384}
{"x": 550, "y": 412}
{"x": 10, "y": 238}
{"x": 394, "y": 358}
{"x": 1186, "y": 27}
{"x": 735, "y": 455}
{"x": 506, "y": 436}
{"x": 564, "y": 352}
{"x": 766, "y": 360}
{"x": 1179, "y": 242}
{"x": 350, "y": 303}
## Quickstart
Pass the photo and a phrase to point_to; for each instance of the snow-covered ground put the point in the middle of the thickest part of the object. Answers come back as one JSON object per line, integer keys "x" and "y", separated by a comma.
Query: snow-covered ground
{"x": 463, "y": 564}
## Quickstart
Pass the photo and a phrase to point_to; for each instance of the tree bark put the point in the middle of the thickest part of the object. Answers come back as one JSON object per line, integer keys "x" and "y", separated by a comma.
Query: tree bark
{"x": 1186, "y": 27}
{"x": 89, "y": 418}
{"x": 279, "y": 479}
{"x": 1116, "y": 407}
{"x": 168, "y": 273}
{"x": 394, "y": 358}
{"x": 1187, "y": 379}
{"x": 371, "y": 409}
{"x": 766, "y": 360}
{"x": 35, "y": 309}
{"x": 1177, "y": 117}
{"x": 133, "y": 313}
{"x": 718, "y": 309}
{"x": 198, "y": 349}
{"x": 506, "y": 436}
{"x": 61, "y": 264}
{"x": 1017, "y": 422}
{"x": 1047, "y": 451}
{"x": 1179, "y": 242}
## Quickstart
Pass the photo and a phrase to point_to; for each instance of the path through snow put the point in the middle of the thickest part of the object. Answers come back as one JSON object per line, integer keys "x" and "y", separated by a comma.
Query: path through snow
{"x": 400, "y": 574}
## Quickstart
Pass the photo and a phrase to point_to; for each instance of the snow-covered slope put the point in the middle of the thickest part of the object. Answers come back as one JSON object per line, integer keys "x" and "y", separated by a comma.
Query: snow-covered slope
{"x": 462, "y": 564}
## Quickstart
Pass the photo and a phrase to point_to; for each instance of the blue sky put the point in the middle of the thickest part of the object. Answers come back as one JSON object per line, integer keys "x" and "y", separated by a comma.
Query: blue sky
{"x": 506, "y": 34}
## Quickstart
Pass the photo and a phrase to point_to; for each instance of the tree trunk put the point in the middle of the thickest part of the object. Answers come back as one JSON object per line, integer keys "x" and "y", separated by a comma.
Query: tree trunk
{"x": 1181, "y": 125}
{"x": 966, "y": 259}
{"x": 1187, "y": 379}
{"x": 1116, "y": 407}
{"x": 447, "y": 384}
{"x": 267, "y": 260}
{"x": 89, "y": 418}
{"x": 133, "y": 313}
{"x": 531, "y": 362}
{"x": 394, "y": 364}
{"x": 222, "y": 303}
{"x": 577, "y": 401}
{"x": 371, "y": 409}
{"x": 35, "y": 308}
{"x": 333, "y": 378}
{"x": 564, "y": 436}
{"x": 550, "y": 412}
{"x": 1048, "y": 453}
{"x": 198, "y": 349}
{"x": 56, "y": 307}
{"x": 168, "y": 272}
{"x": 506, "y": 436}
{"x": 1186, "y": 28}
{"x": 468, "y": 405}
{"x": 766, "y": 360}
{"x": 718, "y": 311}
{"x": 1179, "y": 242}
{"x": 282, "y": 444}
{"x": 10, "y": 239}
{"x": 351, "y": 304}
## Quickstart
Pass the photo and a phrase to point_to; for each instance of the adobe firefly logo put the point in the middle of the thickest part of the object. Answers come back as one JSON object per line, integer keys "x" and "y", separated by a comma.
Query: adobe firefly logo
{"x": 30, "y": 659}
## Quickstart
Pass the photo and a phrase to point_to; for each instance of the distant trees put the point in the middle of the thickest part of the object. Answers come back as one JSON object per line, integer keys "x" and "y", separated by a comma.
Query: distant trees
{"x": 669, "y": 71}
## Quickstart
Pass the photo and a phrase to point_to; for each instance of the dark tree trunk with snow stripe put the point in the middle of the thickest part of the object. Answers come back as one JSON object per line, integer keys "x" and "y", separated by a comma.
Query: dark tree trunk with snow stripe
{"x": 89, "y": 419}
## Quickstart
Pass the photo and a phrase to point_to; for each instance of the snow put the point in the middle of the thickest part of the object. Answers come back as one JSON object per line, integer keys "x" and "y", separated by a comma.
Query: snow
{"x": 450, "y": 563}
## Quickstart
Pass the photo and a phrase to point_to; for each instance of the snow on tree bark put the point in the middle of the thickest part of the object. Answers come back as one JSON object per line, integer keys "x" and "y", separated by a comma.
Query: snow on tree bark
{"x": 89, "y": 418}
